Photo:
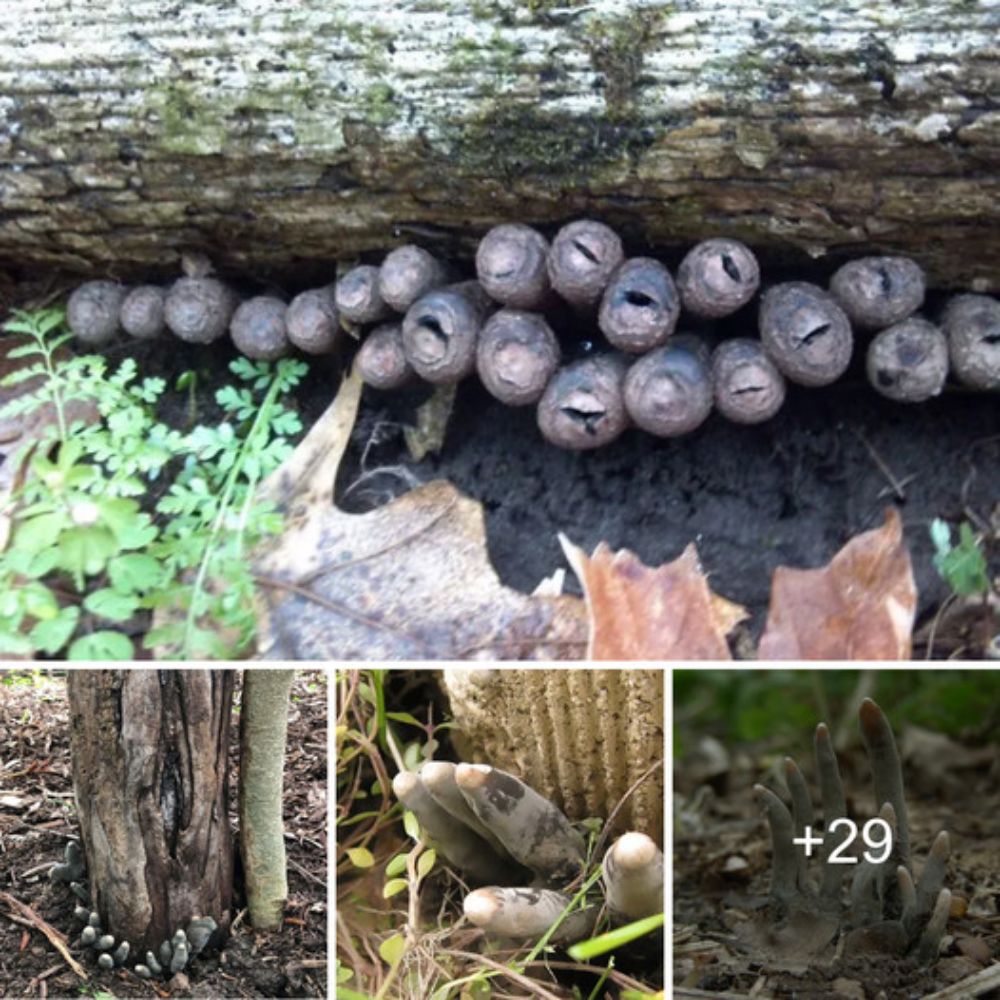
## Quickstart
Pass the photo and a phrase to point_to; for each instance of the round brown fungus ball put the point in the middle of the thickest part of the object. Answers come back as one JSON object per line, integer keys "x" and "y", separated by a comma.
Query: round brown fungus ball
{"x": 406, "y": 274}
{"x": 717, "y": 277}
{"x": 583, "y": 406}
{"x": 258, "y": 328}
{"x": 93, "y": 311}
{"x": 517, "y": 355}
{"x": 640, "y": 306}
{"x": 909, "y": 361}
{"x": 198, "y": 309}
{"x": 668, "y": 392}
{"x": 512, "y": 266}
{"x": 381, "y": 361}
{"x": 357, "y": 295}
{"x": 972, "y": 325}
{"x": 142, "y": 312}
{"x": 582, "y": 259}
{"x": 312, "y": 321}
{"x": 876, "y": 292}
{"x": 440, "y": 331}
{"x": 748, "y": 387}
{"x": 805, "y": 332}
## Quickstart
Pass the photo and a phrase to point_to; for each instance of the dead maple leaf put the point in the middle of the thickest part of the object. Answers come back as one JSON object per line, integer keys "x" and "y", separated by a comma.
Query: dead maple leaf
{"x": 410, "y": 580}
{"x": 640, "y": 613}
{"x": 860, "y": 606}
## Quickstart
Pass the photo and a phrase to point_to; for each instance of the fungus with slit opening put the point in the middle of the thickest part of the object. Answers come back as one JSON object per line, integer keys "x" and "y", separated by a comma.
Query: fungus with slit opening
{"x": 717, "y": 277}
{"x": 583, "y": 405}
{"x": 805, "y": 333}
{"x": 668, "y": 391}
{"x": 258, "y": 328}
{"x": 516, "y": 356}
{"x": 408, "y": 273}
{"x": 93, "y": 311}
{"x": 877, "y": 292}
{"x": 748, "y": 387}
{"x": 142, "y": 312}
{"x": 971, "y": 324}
{"x": 312, "y": 322}
{"x": 582, "y": 259}
{"x": 640, "y": 306}
{"x": 512, "y": 266}
{"x": 908, "y": 362}
{"x": 440, "y": 331}
{"x": 198, "y": 307}
{"x": 357, "y": 296}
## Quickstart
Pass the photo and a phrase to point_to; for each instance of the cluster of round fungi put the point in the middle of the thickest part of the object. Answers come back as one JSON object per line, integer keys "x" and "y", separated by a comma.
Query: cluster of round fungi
{"x": 418, "y": 322}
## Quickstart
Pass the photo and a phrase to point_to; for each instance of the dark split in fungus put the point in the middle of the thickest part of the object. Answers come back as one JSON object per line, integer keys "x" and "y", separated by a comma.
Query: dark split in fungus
{"x": 748, "y": 387}
{"x": 972, "y": 325}
{"x": 516, "y": 356}
{"x": 408, "y": 273}
{"x": 258, "y": 328}
{"x": 583, "y": 257}
{"x": 909, "y": 361}
{"x": 512, "y": 266}
{"x": 381, "y": 360}
{"x": 583, "y": 407}
{"x": 640, "y": 306}
{"x": 877, "y": 292}
{"x": 717, "y": 277}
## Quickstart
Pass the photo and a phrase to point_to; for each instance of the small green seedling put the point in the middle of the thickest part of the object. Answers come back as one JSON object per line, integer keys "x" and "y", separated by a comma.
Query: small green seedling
{"x": 961, "y": 566}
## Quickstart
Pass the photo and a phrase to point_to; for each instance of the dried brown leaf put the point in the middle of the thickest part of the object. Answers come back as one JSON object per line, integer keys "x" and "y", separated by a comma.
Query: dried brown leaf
{"x": 640, "y": 613}
{"x": 860, "y": 606}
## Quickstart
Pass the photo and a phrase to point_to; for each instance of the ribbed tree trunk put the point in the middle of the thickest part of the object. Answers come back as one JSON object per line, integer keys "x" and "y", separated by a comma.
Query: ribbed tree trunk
{"x": 269, "y": 133}
{"x": 150, "y": 763}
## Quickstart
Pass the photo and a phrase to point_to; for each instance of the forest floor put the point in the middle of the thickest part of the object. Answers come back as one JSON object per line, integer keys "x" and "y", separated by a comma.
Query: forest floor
{"x": 724, "y": 940}
{"x": 37, "y": 818}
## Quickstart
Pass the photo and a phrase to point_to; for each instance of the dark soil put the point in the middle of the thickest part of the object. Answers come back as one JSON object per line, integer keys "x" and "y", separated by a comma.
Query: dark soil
{"x": 37, "y": 818}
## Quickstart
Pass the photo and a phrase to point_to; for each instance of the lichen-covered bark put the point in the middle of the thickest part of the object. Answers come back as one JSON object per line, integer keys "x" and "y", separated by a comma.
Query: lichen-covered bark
{"x": 269, "y": 132}
{"x": 150, "y": 779}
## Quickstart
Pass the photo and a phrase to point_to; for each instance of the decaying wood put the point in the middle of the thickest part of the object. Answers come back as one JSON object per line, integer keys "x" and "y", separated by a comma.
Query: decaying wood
{"x": 267, "y": 133}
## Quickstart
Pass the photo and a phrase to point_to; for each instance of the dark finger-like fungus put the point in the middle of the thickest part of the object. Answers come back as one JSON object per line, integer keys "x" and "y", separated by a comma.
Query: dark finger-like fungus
{"x": 972, "y": 325}
{"x": 93, "y": 311}
{"x": 877, "y": 292}
{"x": 258, "y": 328}
{"x": 408, "y": 273}
{"x": 106, "y": 962}
{"x": 511, "y": 263}
{"x": 583, "y": 405}
{"x": 180, "y": 952}
{"x": 198, "y": 309}
{"x": 440, "y": 332}
{"x": 640, "y": 306}
{"x": 516, "y": 356}
{"x": 633, "y": 877}
{"x": 357, "y": 295}
{"x": 668, "y": 392}
{"x": 909, "y": 361}
{"x": 748, "y": 387}
{"x": 80, "y": 891}
{"x": 532, "y": 829}
{"x": 381, "y": 360}
{"x": 312, "y": 321}
{"x": 74, "y": 865}
{"x": 153, "y": 964}
{"x": 526, "y": 914}
{"x": 583, "y": 257}
{"x": 88, "y": 935}
{"x": 141, "y": 314}
{"x": 717, "y": 277}
{"x": 805, "y": 333}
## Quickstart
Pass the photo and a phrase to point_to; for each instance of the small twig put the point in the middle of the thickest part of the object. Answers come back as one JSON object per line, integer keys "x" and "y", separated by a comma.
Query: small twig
{"x": 55, "y": 938}
{"x": 897, "y": 486}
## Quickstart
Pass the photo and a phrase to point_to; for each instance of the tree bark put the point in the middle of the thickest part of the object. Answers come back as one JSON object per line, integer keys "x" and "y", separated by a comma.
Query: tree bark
{"x": 263, "y": 731}
{"x": 150, "y": 763}
{"x": 272, "y": 134}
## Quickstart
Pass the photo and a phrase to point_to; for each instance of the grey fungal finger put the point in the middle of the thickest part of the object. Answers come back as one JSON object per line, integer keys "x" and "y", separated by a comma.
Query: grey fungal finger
{"x": 440, "y": 331}
{"x": 381, "y": 360}
{"x": 512, "y": 266}
{"x": 805, "y": 333}
{"x": 877, "y": 292}
{"x": 74, "y": 864}
{"x": 88, "y": 936}
{"x": 668, "y": 392}
{"x": 633, "y": 876}
{"x": 526, "y": 914}
{"x": 930, "y": 941}
{"x": 802, "y": 811}
{"x": 143, "y": 971}
{"x": 516, "y": 356}
{"x": 153, "y": 965}
{"x": 583, "y": 405}
{"x": 312, "y": 321}
{"x": 258, "y": 328}
{"x": 932, "y": 877}
{"x": 105, "y": 942}
{"x": 142, "y": 312}
{"x": 876, "y": 734}
{"x": 717, "y": 277}
{"x": 461, "y": 846}
{"x": 831, "y": 790}
{"x": 199, "y": 932}
{"x": 784, "y": 865}
{"x": 357, "y": 296}
{"x": 93, "y": 310}
{"x": 972, "y": 325}
{"x": 908, "y": 362}
{"x": 198, "y": 310}
{"x": 180, "y": 958}
{"x": 120, "y": 954}
{"x": 408, "y": 273}
{"x": 640, "y": 306}
{"x": 80, "y": 891}
{"x": 583, "y": 257}
{"x": 908, "y": 899}
{"x": 81, "y": 913}
{"x": 532, "y": 829}
{"x": 94, "y": 919}
{"x": 748, "y": 387}
{"x": 166, "y": 953}
{"x": 106, "y": 962}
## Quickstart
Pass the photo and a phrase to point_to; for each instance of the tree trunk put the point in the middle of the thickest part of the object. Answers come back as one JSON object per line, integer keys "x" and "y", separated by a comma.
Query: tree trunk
{"x": 268, "y": 134}
{"x": 150, "y": 761}
{"x": 263, "y": 730}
